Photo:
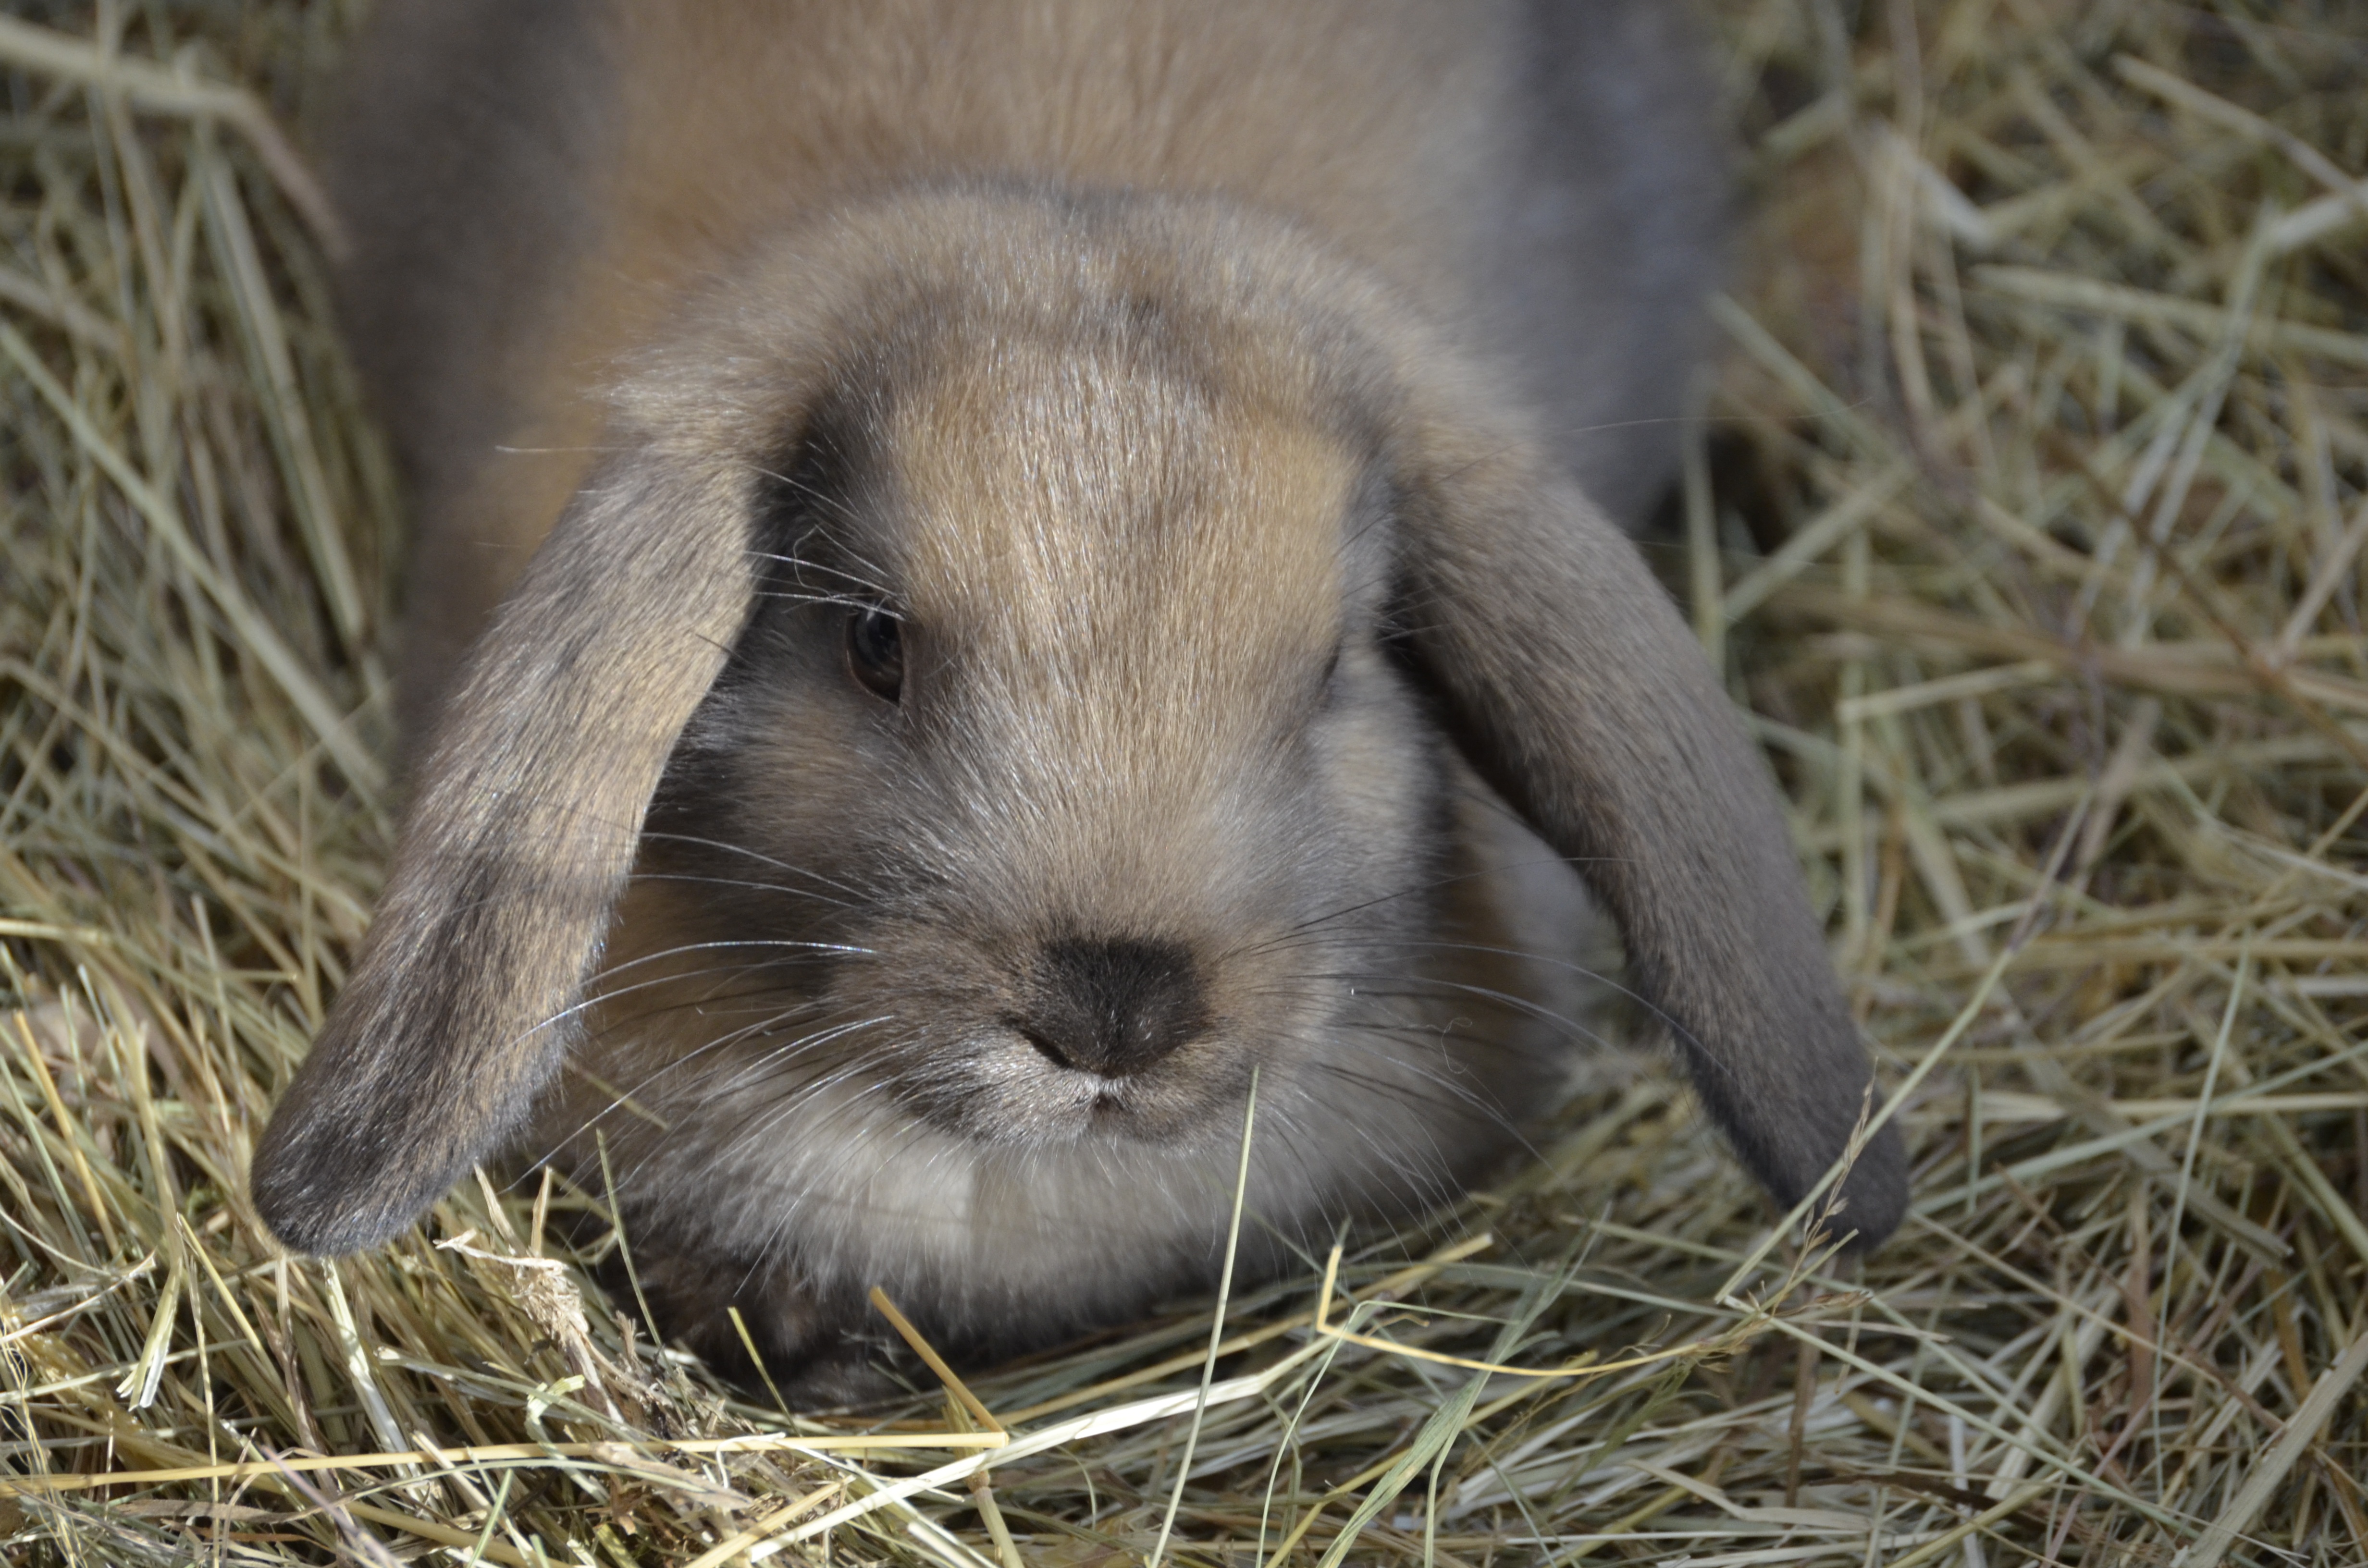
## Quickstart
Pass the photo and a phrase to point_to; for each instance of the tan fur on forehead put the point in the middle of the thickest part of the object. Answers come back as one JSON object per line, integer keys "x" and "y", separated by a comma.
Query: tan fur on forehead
{"x": 1214, "y": 293}
{"x": 1093, "y": 515}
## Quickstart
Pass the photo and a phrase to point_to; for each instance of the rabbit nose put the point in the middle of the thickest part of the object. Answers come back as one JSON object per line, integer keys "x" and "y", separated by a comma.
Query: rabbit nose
{"x": 1113, "y": 1007}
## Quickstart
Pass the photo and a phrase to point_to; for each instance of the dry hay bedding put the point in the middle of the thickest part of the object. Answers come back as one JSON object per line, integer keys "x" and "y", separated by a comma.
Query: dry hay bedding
{"x": 2027, "y": 518}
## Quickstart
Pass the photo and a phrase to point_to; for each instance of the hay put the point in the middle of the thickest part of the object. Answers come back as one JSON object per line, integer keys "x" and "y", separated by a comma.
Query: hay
{"x": 2028, "y": 518}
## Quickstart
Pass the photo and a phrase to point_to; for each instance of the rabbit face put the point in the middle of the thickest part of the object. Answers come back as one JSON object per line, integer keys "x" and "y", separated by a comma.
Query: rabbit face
{"x": 1106, "y": 729}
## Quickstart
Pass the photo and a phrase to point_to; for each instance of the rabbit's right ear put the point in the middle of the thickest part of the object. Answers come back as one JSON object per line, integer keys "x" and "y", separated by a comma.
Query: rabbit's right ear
{"x": 1578, "y": 693}
{"x": 518, "y": 840}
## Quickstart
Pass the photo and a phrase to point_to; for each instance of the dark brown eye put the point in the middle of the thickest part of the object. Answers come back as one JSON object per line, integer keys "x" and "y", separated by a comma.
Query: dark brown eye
{"x": 875, "y": 652}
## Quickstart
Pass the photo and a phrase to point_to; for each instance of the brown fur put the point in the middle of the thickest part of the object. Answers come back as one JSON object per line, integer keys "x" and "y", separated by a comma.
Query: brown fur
{"x": 1153, "y": 366}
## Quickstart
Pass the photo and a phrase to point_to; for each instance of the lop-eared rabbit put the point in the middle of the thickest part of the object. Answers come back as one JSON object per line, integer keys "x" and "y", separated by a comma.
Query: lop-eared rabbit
{"x": 990, "y": 573}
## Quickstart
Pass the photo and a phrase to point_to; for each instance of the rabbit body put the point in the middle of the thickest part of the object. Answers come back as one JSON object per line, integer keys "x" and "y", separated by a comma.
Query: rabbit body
{"x": 987, "y": 575}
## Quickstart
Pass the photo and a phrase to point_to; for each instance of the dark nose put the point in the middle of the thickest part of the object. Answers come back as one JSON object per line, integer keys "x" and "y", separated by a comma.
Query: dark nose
{"x": 1113, "y": 1007}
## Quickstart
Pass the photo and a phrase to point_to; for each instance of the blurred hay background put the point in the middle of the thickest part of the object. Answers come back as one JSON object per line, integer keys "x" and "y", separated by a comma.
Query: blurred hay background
{"x": 2028, "y": 518}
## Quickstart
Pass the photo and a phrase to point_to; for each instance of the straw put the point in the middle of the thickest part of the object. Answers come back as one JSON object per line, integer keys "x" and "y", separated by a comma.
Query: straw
{"x": 2026, "y": 517}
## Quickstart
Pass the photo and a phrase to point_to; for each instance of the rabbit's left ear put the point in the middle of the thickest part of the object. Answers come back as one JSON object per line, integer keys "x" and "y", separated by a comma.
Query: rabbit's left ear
{"x": 1577, "y": 692}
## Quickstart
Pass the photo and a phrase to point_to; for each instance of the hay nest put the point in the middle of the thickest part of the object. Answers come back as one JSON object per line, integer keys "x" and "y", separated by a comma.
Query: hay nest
{"x": 2027, "y": 517}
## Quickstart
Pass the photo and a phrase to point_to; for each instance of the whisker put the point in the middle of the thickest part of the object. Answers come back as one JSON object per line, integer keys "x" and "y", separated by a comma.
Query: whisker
{"x": 1505, "y": 998}
{"x": 730, "y": 848}
{"x": 595, "y": 999}
{"x": 634, "y": 1090}
{"x": 1677, "y": 1029}
{"x": 639, "y": 878}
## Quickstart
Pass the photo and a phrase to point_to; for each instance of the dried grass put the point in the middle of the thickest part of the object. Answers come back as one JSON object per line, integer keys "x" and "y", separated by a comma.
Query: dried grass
{"x": 2028, "y": 518}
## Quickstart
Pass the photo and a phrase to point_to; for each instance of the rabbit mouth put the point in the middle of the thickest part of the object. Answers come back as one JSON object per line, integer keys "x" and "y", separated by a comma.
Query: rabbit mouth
{"x": 1008, "y": 1094}
{"x": 1132, "y": 1107}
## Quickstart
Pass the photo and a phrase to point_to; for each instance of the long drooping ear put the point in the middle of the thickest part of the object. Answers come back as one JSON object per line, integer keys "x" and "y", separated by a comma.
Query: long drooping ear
{"x": 1582, "y": 698}
{"x": 517, "y": 843}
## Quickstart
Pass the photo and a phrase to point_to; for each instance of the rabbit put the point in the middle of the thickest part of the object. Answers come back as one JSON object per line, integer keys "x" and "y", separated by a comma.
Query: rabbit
{"x": 1003, "y": 585}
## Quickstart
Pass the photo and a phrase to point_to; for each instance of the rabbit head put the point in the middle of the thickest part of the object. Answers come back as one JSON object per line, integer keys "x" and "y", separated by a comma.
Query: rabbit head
{"x": 1016, "y": 675}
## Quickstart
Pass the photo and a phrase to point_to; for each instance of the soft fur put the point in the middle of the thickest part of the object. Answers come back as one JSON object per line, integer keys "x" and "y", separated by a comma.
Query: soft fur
{"x": 1220, "y": 401}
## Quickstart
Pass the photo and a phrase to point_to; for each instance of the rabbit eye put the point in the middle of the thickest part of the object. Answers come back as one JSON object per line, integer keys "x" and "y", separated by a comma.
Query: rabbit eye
{"x": 875, "y": 652}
